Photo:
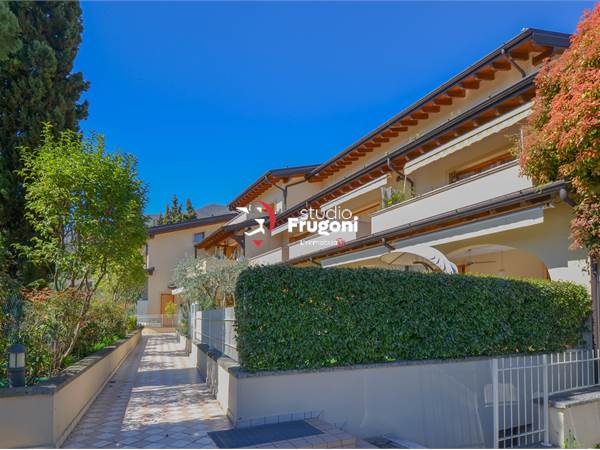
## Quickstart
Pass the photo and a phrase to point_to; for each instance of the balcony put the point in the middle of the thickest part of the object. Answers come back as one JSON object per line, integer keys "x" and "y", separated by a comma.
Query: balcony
{"x": 271, "y": 257}
{"x": 493, "y": 183}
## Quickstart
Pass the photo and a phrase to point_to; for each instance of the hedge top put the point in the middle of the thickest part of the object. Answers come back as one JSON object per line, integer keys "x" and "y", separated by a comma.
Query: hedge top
{"x": 295, "y": 318}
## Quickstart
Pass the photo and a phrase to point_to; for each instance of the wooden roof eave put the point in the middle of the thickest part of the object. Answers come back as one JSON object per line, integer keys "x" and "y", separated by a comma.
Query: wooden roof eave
{"x": 380, "y": 166}
{"x": 528, "y": 41}
{"x": 507, "y": 203}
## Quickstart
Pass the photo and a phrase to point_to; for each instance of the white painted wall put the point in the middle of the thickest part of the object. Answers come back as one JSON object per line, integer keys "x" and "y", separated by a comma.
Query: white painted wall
{"x": 494, "y": 183}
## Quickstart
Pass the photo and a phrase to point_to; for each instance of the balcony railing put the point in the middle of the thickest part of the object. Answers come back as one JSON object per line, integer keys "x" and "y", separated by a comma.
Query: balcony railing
{"x": 271, "y": 257}
{"x": 158, "y": 320}
{"x": 494, "y": 183}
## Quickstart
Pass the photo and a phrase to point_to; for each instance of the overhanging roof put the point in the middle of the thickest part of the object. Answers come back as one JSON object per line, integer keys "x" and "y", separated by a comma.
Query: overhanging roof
{"x": 518, "y": 48}
{"x": 224, "y": 232}
{"x": 503, "y": 204}
{"x": 501, "y": 103}
{"x": 167, "y": 228}
{"x": 266, "y": 181}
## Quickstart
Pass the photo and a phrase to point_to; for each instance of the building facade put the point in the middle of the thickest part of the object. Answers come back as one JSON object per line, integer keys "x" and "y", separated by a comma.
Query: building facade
{"x": 441, "y": 176}
{"x": 166, "y": 246}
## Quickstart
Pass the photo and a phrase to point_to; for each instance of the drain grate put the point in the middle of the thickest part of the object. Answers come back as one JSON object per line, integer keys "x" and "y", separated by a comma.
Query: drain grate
{"x": 263, "y": 434}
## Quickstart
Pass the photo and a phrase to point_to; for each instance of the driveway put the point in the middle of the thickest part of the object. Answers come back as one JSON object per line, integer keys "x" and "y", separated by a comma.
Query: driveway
{"x": 155, "y": 400}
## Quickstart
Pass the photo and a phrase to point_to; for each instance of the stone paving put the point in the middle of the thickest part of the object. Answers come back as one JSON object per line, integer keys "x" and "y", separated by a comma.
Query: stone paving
{"x": 156, "y": 399}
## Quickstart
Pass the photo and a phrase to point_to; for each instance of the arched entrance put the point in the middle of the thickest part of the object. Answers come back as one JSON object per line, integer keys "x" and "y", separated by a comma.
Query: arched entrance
{"x": 498, "y": 260}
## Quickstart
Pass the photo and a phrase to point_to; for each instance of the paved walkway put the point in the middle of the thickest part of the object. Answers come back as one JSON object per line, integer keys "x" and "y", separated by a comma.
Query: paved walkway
{"x": 155, "y": 400}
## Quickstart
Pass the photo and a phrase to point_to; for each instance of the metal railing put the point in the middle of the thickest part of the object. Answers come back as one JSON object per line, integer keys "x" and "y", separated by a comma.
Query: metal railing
{"x": 216, "y": 328}
{"x": 158, "y": 320}
{"x": 521, "y": 386}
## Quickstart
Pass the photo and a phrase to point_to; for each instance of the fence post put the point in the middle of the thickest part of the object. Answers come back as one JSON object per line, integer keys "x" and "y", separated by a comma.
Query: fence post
{"x": 546, "y": 442}
{"x": 496, "y": 406}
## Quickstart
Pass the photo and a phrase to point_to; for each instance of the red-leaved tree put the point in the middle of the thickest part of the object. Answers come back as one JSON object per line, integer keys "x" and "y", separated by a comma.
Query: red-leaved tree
{"x": 562, "y": 140}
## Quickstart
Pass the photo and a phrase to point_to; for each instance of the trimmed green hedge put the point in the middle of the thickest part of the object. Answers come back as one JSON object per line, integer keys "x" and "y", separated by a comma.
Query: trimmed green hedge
{"x": 291, "y": 318}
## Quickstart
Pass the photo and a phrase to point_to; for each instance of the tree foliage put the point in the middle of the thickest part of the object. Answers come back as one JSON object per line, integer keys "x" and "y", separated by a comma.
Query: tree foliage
{"x": 86, "y": 208}
{"x": 563, "y": 137}
{"x": 38, "y": 85}
{"x": 9, "y": 31}
{"x": 190, "y": 212}
{"x": 207, "y": 280}
{"x": 174, "y": 212}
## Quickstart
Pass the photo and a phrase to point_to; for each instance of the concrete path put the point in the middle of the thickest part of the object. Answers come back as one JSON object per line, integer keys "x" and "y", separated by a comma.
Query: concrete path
{"x": 155, "y": 400}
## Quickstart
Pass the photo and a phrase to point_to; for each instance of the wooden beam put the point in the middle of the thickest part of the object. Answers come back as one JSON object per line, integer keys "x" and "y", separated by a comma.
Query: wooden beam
{"x": 431, "y": 108}
{"x": 409, "y": 122}
{"x": 502, "y": 64}
{"x": 398, "y": 128}
{"x": 485, "y": 75}
{"x": 470, "y": 83}
{"x": 390, "y": 134}
{"x": 547, "y": 53}
{"x": 505, "y": 108}
{"x": 419, "y": 115}
{"x": 443, "y": 100}
{"x": 522, "y": 55}
{"x": 456, "y": 92}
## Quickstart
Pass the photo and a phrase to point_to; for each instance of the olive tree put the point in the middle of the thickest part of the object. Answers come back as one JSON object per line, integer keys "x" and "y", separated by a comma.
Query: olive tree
{"x": 206, "y": 281}
{"x": 85, "y": 206}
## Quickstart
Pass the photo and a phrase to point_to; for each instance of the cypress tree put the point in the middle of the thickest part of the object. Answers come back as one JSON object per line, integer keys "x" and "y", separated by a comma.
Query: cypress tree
{"x": 38, "y": 85}
{"x": 9, "y": 31}
{"x": 190, "y": 212}
{"x": 176, "y": 213}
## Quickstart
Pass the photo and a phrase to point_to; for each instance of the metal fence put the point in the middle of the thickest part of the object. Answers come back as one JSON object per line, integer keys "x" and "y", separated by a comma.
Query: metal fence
{"x": 158, "y": 320}
{"x": 216, "y": 328}
{"x": 521, "y": 386}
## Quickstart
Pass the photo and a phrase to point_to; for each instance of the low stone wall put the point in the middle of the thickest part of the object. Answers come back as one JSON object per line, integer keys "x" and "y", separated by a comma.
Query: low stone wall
{"x": 574, "y": 419}
{"x": 436, "y": 403}
{"x": 43, "y": 415}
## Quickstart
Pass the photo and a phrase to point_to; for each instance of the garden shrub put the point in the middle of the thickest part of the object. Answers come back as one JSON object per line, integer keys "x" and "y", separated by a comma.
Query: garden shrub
{"x": 290, "y": 318}
{"x": 106, "y": 323}
{"x": 46, "y": 325}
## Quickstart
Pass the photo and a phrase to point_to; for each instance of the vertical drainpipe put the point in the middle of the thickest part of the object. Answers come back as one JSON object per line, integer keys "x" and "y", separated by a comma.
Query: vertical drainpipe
{"x": 285, "y": 244}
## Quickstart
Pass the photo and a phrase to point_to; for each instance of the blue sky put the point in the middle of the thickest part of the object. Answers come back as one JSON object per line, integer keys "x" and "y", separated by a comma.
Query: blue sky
{"x": 209, "y": 96}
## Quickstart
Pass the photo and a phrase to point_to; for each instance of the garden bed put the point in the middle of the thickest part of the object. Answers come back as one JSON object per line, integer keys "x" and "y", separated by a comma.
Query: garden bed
{"x": 44, "y": 414}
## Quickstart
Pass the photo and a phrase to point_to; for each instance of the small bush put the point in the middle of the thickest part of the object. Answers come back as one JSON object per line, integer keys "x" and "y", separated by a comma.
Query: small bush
{"x": 106, "y": 323}
{"x": 45, "y": 324}
{"x": 132, "y": 324}
{"x": 289, "y": 318}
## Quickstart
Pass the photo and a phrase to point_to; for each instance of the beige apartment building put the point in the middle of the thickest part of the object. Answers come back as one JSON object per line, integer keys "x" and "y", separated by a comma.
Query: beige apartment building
{"x": 166, "y": 246}
{"x": 438, "y": 179}
{"x": 442, "y": 173}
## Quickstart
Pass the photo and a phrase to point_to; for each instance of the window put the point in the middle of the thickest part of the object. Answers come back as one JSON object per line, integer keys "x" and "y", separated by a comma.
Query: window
{"x": 198, "y": 237}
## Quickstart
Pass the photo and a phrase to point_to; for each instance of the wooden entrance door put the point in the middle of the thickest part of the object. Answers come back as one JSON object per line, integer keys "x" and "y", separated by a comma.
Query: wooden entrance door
{"x": 165, "y": 299}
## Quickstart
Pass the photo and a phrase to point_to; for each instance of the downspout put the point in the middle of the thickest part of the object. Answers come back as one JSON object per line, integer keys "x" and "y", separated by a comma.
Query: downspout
{"x": 513, "y": 62}
{"x": 564, "y": 196}
{"x": 285, "y": 189}
{"x": 401, "y": 175}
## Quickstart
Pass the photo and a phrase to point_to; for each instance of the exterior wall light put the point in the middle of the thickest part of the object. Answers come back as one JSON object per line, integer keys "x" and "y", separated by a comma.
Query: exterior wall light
{"x": 16, "y": 365}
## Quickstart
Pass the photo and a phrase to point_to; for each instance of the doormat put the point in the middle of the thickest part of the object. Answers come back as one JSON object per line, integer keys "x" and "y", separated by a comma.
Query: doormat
{"x": 262, "y": 434}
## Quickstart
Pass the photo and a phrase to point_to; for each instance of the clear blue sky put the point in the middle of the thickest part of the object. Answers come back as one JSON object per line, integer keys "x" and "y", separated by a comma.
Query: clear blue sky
{"x": 209, "y": 96}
